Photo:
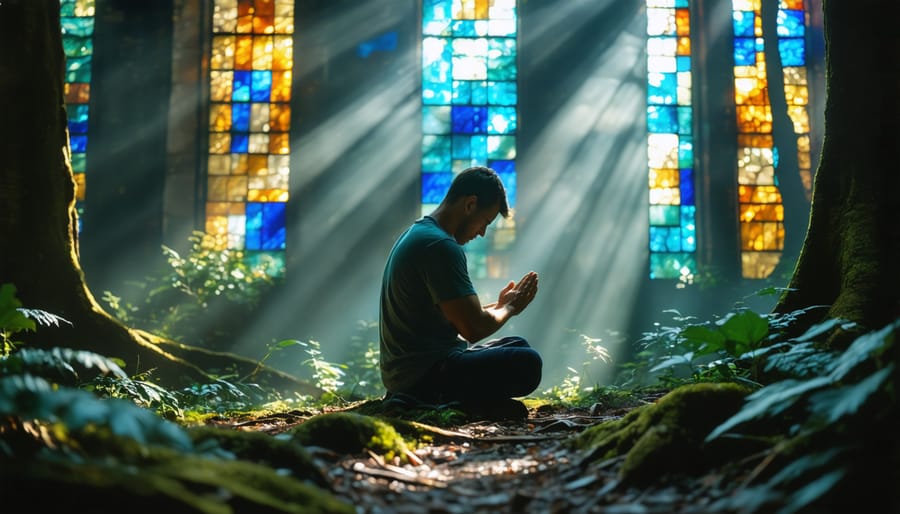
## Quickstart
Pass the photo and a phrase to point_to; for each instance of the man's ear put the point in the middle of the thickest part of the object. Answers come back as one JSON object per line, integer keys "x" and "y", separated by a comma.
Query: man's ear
{"x": 471, "y": 203}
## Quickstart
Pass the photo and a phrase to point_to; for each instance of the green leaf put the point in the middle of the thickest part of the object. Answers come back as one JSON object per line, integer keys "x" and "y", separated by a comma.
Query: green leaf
{"x": 801, "y": 499}
{"x": 11, "y": 318}
{"x": 746, "y": 328}
{"x": 846, "y": 400}
{"x": 769, "y": 401}
{"x": 706, "y": 340}
{"x": 862, "y": 350}
{"x": 675, "y": 360}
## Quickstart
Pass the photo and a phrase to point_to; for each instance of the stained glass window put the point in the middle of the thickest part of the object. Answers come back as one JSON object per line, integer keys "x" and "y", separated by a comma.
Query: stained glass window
{"x": 792, "y": 22}
{"x": 469, "y": 109}
{"x": 670, "y": 142}
{"x": 77, "y": 20}
{"x": 249, "y": 127}
{"x": 759, "y": 199}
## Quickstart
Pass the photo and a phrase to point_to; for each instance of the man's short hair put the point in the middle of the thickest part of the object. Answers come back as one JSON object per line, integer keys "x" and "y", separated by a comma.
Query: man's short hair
{"x": 484, "y": 183}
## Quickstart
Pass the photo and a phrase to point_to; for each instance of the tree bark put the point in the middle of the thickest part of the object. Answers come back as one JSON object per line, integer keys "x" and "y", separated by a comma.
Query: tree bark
{"x": 850, "y": 258}
{"x": 38, "y": 219}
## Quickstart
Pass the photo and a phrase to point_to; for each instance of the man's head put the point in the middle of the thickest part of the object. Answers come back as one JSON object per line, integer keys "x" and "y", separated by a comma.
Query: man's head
{"x": 479, "y": 195}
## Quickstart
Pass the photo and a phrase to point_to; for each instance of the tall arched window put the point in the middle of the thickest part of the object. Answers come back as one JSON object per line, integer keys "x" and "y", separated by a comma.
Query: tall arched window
{"x": 670, "y": 146}
{"x": 469, "y": 109}
{"x": 793, "y": 19}
{"x": 77, "y": 21}
{"x": 249, "y": 127}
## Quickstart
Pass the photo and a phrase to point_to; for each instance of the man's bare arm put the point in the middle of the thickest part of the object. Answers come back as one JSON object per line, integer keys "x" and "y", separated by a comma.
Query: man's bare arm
{"x": 474, "y": 322}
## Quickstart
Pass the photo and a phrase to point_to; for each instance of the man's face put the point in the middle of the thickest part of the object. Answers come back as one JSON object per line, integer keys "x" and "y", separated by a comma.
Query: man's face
{"x": 476, "y": 222}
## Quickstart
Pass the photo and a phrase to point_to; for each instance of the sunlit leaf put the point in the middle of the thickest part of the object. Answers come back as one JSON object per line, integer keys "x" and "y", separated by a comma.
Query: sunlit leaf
{"x": 745, "y": 327}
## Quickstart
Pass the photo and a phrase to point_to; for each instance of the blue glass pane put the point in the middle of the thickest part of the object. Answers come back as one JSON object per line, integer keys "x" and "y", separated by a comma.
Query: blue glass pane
{"x": 436, "y": 120}
{"x": 662, "y": 88}
{"x": 744, "y": 52}
{"x": 685, "y": 120}
{"x": 464, "y": 28}
{"x": 479, "y": 93}
{"x": 254, "y": 220}
{"x": 791, "y": 23}
{"x": 436, "y": 10}
{"x": 681, "y": 4}
{"x": 261, "y": 89}
{"x": 435, "y": 186}
{"x": 462, "y": 92}
{"x": 479, "y": 148}
{"x": 436, "y": 93}
{"x": 507, "y": 172}
{"x": 241, "y": 86}
{"x": 502, "y": 93}
{"x": 240, "y": 117}
{"x": 792, "y": 52}
{"x": 435, "y": 153}
{"x": 662, "y": 119}
{"x": 501, "y": 59}
{"x": 78, "y": 70}
{"x": 78, "y": 143}
{"x": 743, "y": 24}
{"x": 274, "y": 226}
{"x": 469, "y": 120}
{"x": 78, "y": 118}
{"x": 673, "y": 239}
{"x": 686, "y": 186}
{"x": 240, "y": 143}
{"x": 688, "y": 229}
{"x": 78, "y": 46}
{"x": 657, "y": 239}
{"x": 685, "y": 152}
{"x": 501, "y": 120}
{"x": 462, "y": 147}
{"x": 80, "y": 26}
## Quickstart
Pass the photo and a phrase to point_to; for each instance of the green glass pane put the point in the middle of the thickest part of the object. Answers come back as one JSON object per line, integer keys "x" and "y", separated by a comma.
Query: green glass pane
{"x": 665, "y": 215}
{"x": 78, "y": 46}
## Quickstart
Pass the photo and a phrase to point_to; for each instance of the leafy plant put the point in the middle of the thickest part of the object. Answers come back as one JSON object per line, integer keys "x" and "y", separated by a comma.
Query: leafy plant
{"x": 200, "y": 297}
{"x": 15, "y": 319}
{"x": 572, "y": 389}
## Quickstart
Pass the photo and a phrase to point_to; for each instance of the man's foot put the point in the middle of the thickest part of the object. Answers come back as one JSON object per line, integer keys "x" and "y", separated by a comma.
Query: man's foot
{"x": 505, "y": 409}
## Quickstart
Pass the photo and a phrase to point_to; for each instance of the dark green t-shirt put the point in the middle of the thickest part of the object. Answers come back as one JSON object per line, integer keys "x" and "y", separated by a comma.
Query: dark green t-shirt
{"x": 426, "y": 266}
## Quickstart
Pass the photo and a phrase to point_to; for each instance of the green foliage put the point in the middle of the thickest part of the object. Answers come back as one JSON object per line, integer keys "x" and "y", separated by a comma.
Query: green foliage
{"x": 14, "y": 319}
{"x": 828, "y": 417}
{"x": 201, "y": 297}
{"x": 572, "y": 390}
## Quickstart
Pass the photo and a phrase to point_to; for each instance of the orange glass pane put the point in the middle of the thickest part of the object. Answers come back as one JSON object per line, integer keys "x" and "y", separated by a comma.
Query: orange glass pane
{"x": 79, "y": 186}
{"x": 237, "y": 188}
{"x": 682, "y": 22}
{"x": 282, "y": 53}
{"x": 220, "y": 118}
{"x": 263, "y": 24}
{"x": 257, "y": 164}
{"x": 481, "y": 9}
{"x": 243, "y": 53}
{"x": 755, "y": 140}
{"x": 216, "y": 188}
{"x": 264, "y": 7}
{"x": 279, "y": 144}
{"x": 279, "y": 117}
{"x": 262, "y": 53}
{"x": 281, "y": 86}
{"x": 77, "y": 93}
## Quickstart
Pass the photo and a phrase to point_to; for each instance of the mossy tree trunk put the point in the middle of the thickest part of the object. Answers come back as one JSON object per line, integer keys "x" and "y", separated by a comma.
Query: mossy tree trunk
{"x": 37, "y": 211}
{"x": 850, "y": 258}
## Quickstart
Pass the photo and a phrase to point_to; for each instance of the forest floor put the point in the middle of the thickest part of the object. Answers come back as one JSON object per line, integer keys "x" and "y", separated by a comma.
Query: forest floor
{"x": 511, "y": 467}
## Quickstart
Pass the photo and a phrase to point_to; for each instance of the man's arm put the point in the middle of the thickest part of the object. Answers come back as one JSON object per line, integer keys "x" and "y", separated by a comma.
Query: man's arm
{"x": 474, "y": 322}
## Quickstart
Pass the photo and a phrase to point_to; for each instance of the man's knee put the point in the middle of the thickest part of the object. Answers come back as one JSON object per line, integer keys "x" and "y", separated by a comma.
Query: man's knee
{"x": 530, "y": 369}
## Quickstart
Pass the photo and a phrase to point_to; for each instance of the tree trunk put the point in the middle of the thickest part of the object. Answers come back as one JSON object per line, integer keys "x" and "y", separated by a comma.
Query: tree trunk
{"x": 38, "y": 218}
{"x": 850, "y": 258}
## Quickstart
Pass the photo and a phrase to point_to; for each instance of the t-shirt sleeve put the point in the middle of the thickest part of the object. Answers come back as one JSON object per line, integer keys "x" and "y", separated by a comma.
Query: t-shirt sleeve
{"x": 446, "y": 272}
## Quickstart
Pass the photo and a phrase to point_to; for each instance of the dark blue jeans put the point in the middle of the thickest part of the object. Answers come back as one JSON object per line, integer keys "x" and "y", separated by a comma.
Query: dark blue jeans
{"x": 492, "y": 370}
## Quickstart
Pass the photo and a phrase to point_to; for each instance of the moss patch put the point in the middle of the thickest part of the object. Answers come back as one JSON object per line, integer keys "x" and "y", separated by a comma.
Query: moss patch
{"x": 666, "y": 437}
{"x": 347, "y": 432}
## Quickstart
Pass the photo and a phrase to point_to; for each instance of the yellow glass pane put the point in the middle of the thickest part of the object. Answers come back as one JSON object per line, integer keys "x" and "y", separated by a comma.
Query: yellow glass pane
{"x": 84, "y": 8}
{"x": 222, "y": 53}
{"x": 282, "y": 53}
{"x": 219, "y": 165}
{"x": 259, "y": 143}
{"x": 795, "y": 75}
{"x": 220, "y": 85}
{"x": 481, "y": 9}
{"x": 755, "y": 140}
{"x": 277, "y": 182}
{"x": 218, "y": 208}
{"x": 284, "y": 24}
{"x": 237, "y": 188}
{"x": 225, "y": 16}
{"x": 236, "y": 208}
{"x": 239, "y": 163}
{"x": 281, "y": 86}
{"x": 804, "y": 161}
{"x": 220, "y": 117}
{"x": 754, "y": 118}
{"x": 262, "y": 53}
{"x": 217, "y": 188}
{"x": 254, "y": 185}
{"x": 684, "y": 46}
{"x": 243, "y": 53}
{"x": 662, "y": 178}
{"x": 219, "y": 143}
{"x": 758, "y": 265}
{"x": 800, "y": 118}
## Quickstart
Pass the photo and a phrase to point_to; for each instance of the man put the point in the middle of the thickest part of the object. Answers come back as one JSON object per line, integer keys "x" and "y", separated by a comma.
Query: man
{"x": 431, "y": 320}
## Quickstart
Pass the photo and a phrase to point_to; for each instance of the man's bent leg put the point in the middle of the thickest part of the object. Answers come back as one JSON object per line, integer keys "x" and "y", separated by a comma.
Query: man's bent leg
{"x": 497, "y": 369}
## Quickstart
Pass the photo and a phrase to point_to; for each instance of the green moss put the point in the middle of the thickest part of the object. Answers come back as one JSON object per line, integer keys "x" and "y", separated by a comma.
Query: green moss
{"x": 262, "y": 448}
{"x": 666, "y": 437}
{"x": 347, "y": 432}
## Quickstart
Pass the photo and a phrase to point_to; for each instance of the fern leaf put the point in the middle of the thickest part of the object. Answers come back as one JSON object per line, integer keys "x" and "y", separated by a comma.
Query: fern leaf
{"x": 846, "y": 400}
{"x": 862, "y": 349}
